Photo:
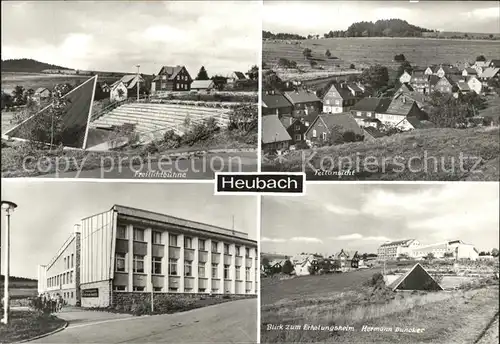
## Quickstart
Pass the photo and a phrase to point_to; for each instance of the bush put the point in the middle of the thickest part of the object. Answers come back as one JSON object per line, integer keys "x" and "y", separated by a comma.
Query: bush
{"x": 200, "y": 132}
{"x": 171, "y": 140}
{"x": 377, "y": 280}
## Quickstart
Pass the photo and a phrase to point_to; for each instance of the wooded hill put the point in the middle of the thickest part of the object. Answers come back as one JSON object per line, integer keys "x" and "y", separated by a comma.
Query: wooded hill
{"x": 27, "y": 66}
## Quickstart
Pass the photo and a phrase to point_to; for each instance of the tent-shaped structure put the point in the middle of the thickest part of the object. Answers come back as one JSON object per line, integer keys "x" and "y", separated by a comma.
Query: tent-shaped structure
{"x": 75, "y": 124}
{"x": 415, "y": 279}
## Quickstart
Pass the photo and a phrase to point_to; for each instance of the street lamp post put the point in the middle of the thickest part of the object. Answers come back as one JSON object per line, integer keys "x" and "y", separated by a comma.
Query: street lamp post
{"x": 138, "y": 83}
{"x": 8, "y": 207}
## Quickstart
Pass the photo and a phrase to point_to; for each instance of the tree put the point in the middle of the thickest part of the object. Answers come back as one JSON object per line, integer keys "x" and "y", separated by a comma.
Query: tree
{"x": 481, "y": 58}
{"x": 307, "y": 53}
{"x": 490, "y": 36}
{"x": 313, "y": 63}
{"x": 399, "y": 58}
{"x": 328, "y": 53}
{"x": 202, "y": 74}
{"x": 6, "y": 100}
{"x": 430, "y": 256}
{"x": 375, "y": 77}
{"x": 253, "y": 72}
{"x": 287, "y": 267}
{"x": 448, "y": 112}
{"x": 448, "y": 254}
{"x": 18, "y": 95}
{"x": 244, "y": 119}
{"x": 265, "y": 261}
{"x": 271, "y": 81}
{"x": 494, "y": 252}
{"x": 219, "y": 82}
{"x": 352, "y": 66}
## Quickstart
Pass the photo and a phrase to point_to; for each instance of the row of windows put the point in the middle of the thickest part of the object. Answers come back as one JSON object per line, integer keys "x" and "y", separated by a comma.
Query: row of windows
{"x": 67, "y": 295}
{"x": 156, "y": 267}
{"x": 61, "y": 279}
{"x": 139, "y": 235}
{"x": 69, "y": 262}
{"x": 323, "y": 134}
{"x": 170, "y": 289}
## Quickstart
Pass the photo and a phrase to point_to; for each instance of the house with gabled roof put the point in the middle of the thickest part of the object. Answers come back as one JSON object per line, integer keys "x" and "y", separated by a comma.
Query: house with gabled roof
{"x": 371, "y": 133}
{"x": 275, "y": 103}
{"x": 365, "y": 111}
{"x": 444, "y": 85}
{"x": 274, "y": 134}
{"x": 235, "y": 77}
{"x": 399, "y": 111}
{"x": 125, "y": 87}
{"x": 321, "y": 129}
{"x": 447, "y": 70}
{"x": 469, "y": 72}
{"x": 419, "y": 81}
{"x": 202, "y": 85}
{"x": 474, "y": 84}
{"x": 304, "y": 102}
{"x": 431, "y": 84}
{"x": 340, "y": 98}
{"x": 405, "y": 77}
{"x": 347, "y": 259}
{"x": 489, "y": 73}
{"x": 298, "y": 128}
{"x": 172, "y": 78}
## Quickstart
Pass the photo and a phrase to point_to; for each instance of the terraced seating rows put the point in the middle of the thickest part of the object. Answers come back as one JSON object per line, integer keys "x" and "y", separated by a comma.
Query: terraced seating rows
{"x": 158, "y": 118}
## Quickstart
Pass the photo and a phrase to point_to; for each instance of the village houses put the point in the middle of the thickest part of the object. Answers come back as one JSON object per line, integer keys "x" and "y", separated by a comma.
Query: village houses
{"x": 304, "y": 102}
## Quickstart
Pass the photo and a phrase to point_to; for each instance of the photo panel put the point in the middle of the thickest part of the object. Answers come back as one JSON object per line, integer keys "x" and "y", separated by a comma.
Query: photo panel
{"x": 381, "y": 90}
{"x": 381, "y": 263}
{"x": 128, "y": 262}
{"x": 165, "y": 90}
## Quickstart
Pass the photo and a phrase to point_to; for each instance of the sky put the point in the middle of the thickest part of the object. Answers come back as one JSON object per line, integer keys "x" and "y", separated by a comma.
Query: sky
{"x": 319, "y": 17}
{"x": 363, "y": 216}
{"x": 117, "y": 35}
{"x": 48, "y": 210}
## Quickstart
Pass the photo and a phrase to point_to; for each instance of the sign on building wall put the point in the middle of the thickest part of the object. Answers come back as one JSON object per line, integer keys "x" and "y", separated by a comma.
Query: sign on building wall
{"x": 93, "y": 292}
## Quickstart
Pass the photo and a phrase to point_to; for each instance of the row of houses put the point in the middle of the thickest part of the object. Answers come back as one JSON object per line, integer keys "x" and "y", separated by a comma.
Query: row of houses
{"x": 169, "y": 78}
{"x": 299, "y": 116}
{"x": 443, "y": 78}
{"x": 412, "y": 248}
{"x": 305, "y": 264}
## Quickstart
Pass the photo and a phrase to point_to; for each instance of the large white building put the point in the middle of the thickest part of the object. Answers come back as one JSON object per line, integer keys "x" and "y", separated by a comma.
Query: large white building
{"x": 413, "y": 249}
{"x": 394, "y": 249}
{"x": 125, "y": 253}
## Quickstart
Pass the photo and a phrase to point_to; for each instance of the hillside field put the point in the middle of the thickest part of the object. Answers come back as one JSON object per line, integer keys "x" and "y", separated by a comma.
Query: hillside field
{"x": 364, "y": 52}
{"x": 34, "y": 80}
{"x": 426, "y": 154}
{"x": 346, "y": 300}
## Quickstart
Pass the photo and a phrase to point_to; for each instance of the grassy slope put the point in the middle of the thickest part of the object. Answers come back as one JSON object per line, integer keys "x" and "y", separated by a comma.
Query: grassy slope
{"x": 24, "y": 325}
{"x": 463, "y": 319}
{"x": 391, "y": 152}
{"x": 363, "y": 52}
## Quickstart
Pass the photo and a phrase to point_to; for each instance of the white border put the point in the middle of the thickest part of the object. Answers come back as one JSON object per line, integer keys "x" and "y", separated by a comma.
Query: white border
{"x": 255, "y": 193}
{"x": 84, "y": 146}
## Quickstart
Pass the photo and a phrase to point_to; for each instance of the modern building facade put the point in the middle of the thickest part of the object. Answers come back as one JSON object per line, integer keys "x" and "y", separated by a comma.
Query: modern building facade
{"x": 411, "y": 248}
{"x": 61, "y": 274}
{"x": 128, "y": 250}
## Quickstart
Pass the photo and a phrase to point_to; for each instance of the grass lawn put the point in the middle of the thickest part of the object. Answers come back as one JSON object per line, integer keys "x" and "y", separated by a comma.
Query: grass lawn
{"x": 439, "y": 154}
{"x": 24, "y": 325}
{"x": 458, "y": 316}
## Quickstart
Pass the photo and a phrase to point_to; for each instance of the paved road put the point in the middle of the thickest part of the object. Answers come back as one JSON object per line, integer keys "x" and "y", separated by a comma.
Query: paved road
{"x": 196, "y": 168}
{"x": 230, "y": 322}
